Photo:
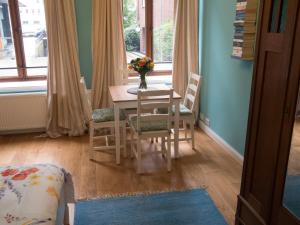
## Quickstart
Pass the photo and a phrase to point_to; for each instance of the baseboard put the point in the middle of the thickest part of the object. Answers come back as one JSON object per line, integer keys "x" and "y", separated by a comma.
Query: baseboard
{"x": 23, "y": 131}
{"x": 227, "y": 147}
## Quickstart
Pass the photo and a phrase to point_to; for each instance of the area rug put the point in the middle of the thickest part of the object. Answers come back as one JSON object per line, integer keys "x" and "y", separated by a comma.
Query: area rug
{"x": 192, "y": 207}
{"x": 291, "y": 199}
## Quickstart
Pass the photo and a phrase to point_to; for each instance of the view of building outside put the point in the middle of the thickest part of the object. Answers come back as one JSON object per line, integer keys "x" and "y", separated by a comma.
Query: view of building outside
{"x": 34, "y": 36}
{"x": 32, "y": 15}
{"x": 7, "y": 52}
{"x": 163, "y": 31}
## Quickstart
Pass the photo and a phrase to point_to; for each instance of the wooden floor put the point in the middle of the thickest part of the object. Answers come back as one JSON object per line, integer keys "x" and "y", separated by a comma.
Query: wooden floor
{"x": 294, "y": 165}
{"x": 209, "y": 166}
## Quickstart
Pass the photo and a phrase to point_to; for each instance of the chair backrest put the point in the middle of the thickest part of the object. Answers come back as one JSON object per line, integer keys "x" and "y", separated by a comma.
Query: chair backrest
{"x": 192, "y": 91}
{"x": 85, "y": 100}
{"x": 148, "y": 100}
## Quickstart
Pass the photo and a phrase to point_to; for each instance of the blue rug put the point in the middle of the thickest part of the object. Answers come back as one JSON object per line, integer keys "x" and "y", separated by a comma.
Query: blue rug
{"x": 192, "y": 207}
{"x": 291, "y": 199}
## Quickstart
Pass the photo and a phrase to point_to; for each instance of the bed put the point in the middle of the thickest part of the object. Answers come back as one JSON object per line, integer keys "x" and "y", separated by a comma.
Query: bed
{"x": 35, "y": 195}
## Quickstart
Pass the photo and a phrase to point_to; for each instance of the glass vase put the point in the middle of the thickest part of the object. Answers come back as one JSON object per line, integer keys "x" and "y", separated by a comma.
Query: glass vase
{"x": 143, "y": 83}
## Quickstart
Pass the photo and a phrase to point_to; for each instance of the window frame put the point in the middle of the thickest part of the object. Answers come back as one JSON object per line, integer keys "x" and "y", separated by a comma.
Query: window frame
{"x": 149, "y": 40}
{"x": 14, "y": 13}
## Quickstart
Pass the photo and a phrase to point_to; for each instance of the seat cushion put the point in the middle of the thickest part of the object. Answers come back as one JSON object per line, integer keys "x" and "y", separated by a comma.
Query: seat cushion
{"x": 149, "y": 126}
{"x": 183, "y": 110}
{"x": 106, "y": 115}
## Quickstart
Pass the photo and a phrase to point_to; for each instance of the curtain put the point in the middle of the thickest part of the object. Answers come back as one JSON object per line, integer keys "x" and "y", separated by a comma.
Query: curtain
{"x": 65, "y": 109}
{"x": 109, "y": 54}
{"x": 185, "y": 54}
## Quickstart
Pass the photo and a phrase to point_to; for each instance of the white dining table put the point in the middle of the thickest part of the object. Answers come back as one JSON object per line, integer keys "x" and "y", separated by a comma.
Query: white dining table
{"x": 123, "y": 100}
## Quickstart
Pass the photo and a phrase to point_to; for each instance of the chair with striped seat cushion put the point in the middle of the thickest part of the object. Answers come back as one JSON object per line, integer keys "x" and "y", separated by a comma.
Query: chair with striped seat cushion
{"x": 183, "y": 110}
{"x": 187, "y": 108}
{"x": 100, "y": 119}
{"x": 191, "y": 96}
{"x": 149, "y": 125}
{"x": 106, "y": 115}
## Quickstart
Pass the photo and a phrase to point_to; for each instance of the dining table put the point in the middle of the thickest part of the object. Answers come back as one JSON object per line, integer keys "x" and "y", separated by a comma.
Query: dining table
{"x": 122, "y": 99}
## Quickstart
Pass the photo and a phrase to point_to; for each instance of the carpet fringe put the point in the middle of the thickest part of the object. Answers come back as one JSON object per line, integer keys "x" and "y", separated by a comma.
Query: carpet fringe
{"x": 146, "y": 193}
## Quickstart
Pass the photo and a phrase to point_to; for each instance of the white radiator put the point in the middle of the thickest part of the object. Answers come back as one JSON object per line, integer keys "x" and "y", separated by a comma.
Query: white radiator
{"x": 23, "y": 112}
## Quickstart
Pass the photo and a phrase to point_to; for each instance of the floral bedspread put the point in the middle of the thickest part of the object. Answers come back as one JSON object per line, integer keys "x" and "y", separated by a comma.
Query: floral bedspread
{"x": 29, "y": 195}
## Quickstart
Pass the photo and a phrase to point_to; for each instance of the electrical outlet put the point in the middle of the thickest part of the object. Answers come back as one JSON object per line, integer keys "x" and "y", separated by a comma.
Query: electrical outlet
{"x": 206, "y": 121}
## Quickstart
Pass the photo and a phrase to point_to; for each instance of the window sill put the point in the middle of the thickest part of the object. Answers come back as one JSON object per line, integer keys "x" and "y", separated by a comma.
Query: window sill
{"x": 23, "y": 87}
{"x": 165, "y": 79}
{"x": 41, "y": 85}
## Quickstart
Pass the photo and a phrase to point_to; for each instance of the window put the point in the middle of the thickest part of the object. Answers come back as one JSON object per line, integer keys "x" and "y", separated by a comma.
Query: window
{"x": 149, "y": 30}
{"x": 23, "y": 41}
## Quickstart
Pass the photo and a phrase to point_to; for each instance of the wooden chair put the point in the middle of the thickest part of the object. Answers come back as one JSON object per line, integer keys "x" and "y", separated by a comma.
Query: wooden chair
{"x": 151, "y": 125}
{"x": 99, "y": 119}
{"x": 187, "y": 108}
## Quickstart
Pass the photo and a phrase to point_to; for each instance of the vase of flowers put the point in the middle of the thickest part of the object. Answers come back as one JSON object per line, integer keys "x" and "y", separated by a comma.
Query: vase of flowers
{"x": 142, "y": 66}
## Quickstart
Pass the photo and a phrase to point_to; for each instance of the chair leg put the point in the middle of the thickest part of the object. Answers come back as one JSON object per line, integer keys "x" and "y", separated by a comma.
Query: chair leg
{"x": 139, "y": 156}
{"x": 91, "y": 141}
{"x": 124, "y": 140}
{"x": 163, "y": 144}
{"x": 131, "y": 144}
{"x": 185, "y": 129}
{"x": 169, "y": 157}
{"x": 192, "y": 124}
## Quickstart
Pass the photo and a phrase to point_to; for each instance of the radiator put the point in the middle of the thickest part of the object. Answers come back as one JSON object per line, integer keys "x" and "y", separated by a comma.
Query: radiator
{"x": 23, "y": 112}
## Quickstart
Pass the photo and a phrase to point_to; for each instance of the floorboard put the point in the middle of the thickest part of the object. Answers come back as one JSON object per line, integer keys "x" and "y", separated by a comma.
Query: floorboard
{"x": 209, "y": 166}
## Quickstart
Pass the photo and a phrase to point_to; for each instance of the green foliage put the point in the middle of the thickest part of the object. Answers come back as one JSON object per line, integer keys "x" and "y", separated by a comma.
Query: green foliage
{"x": 132, "y": 40}
{"x": 129, "y": 12}
{"x": 163, "y": 35}
{"x": 163, "y": 42}
{"x": 132, "y": 36}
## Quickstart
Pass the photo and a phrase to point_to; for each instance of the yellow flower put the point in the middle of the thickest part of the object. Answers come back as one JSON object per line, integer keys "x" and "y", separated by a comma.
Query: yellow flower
{"x": 34, "y": 177}
{"x": 51, "y": 191}
{"x": 34, "y": 183}
{"x": 50, "y": 177}
{"x": 151, "y": 65}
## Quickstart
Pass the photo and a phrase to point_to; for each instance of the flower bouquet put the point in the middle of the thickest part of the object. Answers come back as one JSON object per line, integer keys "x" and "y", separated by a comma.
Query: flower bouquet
{"x": 142, "y": 66}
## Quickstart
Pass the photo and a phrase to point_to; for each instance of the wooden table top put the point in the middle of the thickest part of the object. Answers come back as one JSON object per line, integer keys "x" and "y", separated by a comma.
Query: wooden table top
{"x": 120, "y": 94}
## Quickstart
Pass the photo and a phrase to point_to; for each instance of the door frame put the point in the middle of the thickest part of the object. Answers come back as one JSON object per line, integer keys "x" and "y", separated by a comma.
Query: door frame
{"x": 260, "y": 200}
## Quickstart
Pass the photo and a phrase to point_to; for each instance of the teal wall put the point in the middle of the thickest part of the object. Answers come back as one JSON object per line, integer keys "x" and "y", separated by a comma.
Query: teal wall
{"x": 226, "y": 86}
{"x": 84, "y": 27}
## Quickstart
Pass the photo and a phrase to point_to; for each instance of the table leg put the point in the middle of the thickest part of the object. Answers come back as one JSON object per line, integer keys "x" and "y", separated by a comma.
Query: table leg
{"x": 176, "y": 129}
{"x": 117, "y": 132}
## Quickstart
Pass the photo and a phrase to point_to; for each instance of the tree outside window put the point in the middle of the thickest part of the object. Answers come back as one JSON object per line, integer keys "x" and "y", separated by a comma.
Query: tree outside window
{"x": 161, "y": 28}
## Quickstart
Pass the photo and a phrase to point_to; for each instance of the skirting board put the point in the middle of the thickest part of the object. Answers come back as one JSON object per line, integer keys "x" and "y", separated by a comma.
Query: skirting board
{"x": 227, "y": 147}
{"x": 24, "y": 131}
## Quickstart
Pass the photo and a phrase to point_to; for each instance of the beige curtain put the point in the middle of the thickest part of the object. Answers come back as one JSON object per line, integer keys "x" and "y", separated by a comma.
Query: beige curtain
{"x": 185, "y": 54}
{"x": 65, "y": 110}
{"x": 109, "y": 54}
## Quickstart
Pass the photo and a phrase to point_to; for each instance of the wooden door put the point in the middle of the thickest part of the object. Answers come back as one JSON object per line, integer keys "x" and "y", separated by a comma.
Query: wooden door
{"x": 273, "y": 101}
